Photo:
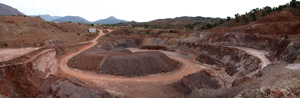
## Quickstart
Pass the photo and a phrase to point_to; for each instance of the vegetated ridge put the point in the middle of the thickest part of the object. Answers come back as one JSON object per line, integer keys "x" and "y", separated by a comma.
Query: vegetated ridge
{"x": 8, "y": 10}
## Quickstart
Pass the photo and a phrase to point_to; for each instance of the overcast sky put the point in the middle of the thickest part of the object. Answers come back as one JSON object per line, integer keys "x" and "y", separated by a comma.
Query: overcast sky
{"x": 139, "y": 10}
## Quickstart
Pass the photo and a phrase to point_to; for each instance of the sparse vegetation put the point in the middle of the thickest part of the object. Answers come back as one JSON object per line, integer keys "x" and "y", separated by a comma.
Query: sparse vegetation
{"x": 5, "y": 44}
{"x": 106, "y": 35}
{"x": 221, "y": 21}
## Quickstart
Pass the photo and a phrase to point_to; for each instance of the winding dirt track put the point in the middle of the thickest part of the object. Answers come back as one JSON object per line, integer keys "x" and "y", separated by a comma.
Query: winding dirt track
{"x": 143, "y": 86}
{"x": 134, "y": 86}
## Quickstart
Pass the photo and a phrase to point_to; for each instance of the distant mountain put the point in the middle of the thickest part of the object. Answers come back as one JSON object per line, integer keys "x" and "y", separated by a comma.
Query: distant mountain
{"x": 8, "y": 10}
{"x": 74, "y": 19}
{"x": 48, "y": 17}
{"x": 109, "y": 20}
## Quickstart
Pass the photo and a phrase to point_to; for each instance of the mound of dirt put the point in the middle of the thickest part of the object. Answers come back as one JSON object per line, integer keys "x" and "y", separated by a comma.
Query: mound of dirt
{"x": 84, "y": 61}
{"x": 194, "y": 81}
{"x": 283, "y": 16}
{"x": 137, "y": 64}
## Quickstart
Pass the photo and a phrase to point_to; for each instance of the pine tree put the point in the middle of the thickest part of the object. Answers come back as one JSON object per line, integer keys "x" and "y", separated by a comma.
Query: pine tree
{"x": 228, "y": 18}
{"x": 244, "y": 17}
{"x": 237, "y": 17}
{"x": 221, "y": 21}
{"x": 293, "y": 3}
{"x": 253, "y": 16}
{"x": 263, "y": 14}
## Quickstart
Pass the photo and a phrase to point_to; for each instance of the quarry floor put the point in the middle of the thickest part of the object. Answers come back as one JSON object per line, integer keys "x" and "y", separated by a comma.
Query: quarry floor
{"x": 156, "y": 85}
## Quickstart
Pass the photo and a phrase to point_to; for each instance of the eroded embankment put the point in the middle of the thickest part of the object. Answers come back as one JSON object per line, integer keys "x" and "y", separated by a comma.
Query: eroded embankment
{"x": 35, "y": 75}
{"x": 223, "y": 64}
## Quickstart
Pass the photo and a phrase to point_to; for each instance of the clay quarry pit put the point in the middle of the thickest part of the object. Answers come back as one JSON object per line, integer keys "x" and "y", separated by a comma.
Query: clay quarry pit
{"x": 250, "y": 60}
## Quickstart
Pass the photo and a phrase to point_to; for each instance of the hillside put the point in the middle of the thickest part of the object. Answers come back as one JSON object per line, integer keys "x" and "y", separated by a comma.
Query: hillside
{"x": 183, "y": 23}
{"x": 19, "y": 31}
{"x": 8, "y": 10}
{"x": 74, "y": 19}
{"x": 109, "y": 20}
{"x": 258, "y": 13}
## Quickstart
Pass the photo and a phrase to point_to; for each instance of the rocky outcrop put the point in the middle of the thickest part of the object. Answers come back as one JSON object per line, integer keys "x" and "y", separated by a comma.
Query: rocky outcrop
{"x": 279, "y": 49}
{"x": 235, "y": 61}
{"x": 66, "y": 88}
{"x": 282, "y": 89}
{"x": 25, "y": 80}
{"x": 195, "y": 81}
{"x": 36, "y": 77}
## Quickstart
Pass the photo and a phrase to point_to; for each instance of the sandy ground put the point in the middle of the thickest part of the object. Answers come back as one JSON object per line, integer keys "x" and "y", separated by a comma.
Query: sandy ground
{"x": 10, "y": 53}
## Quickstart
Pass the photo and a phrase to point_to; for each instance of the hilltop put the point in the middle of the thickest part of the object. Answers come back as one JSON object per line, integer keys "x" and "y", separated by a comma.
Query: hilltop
{"x": 8, "y": 10}
{"x": 109, "y": 20}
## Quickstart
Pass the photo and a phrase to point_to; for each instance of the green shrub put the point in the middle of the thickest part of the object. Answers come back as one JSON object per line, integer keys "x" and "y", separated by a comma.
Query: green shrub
{"x": 106, "y": 35}
{"x": 171, "y": 31}
{"x": 5, "y": 44}
{"x": 147, "y": 32}
{"x": 286, "y": 36}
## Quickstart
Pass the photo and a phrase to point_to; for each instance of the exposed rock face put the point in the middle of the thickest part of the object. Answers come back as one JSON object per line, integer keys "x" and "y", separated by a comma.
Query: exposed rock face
{"x": 63, "y": 89}
{"x": 282, "y": 89}
{"x": 195, "y": 81}
{"x": 291, "y": 53}
{"x": 137, "y": 64}
{"x": 279, "y": 49}
{"x": 122, "y": 43}
{"x": 26, "y": 79}
{"x": 36, "y": 78}
{"x": 231, "y": 59}
{"x": 154, "y": 42}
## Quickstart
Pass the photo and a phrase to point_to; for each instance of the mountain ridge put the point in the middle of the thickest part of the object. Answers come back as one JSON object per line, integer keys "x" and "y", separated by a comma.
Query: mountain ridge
{"x": 8, "y": 10}
{"x": 110, "y": 20}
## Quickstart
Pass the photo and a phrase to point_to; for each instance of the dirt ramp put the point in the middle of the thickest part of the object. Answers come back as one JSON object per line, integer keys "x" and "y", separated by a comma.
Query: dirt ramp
{"x": 138, "y": 64}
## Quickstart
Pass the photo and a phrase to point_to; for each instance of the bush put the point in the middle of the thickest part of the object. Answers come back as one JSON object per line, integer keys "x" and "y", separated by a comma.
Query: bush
{"x": 106, "y": 35}
{"x": 286, "y": 36}
{"x": 147, "y": 32}
{"x": 171, "y": 31}
{"x": 293, "y": 3}
{"x": 5, "y": 44}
